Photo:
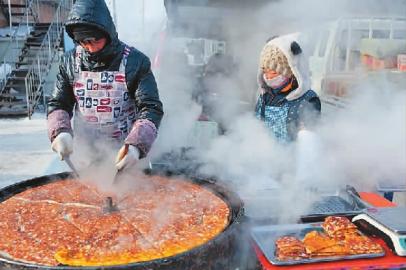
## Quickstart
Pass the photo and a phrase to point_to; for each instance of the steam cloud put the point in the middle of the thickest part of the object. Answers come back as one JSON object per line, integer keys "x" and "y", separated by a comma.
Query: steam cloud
{"x": 361, "y": 145}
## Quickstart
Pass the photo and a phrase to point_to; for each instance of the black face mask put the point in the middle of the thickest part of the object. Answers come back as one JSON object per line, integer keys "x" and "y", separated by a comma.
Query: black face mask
{"x": 98, "y": 56}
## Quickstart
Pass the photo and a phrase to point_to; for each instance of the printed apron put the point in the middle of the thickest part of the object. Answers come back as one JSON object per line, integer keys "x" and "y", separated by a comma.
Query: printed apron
{"x": 278, "y": 118}
{"x": 104, "y": 108}
{"x": 275, "y": 119}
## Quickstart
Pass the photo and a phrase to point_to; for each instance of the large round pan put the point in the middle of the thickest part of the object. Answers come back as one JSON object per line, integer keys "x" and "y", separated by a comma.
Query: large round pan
{"x": 219, "y": 253}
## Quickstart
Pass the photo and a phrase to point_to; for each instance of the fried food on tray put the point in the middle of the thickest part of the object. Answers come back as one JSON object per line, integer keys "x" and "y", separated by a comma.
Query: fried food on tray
{"x": 339, "y": 238}
{"x": 290, "y": 248}
{"x": 63, "y": 223}
{"x": 319, "y": 244}
{"x": 338, "y": 227}
{"x": 359, "y": 244}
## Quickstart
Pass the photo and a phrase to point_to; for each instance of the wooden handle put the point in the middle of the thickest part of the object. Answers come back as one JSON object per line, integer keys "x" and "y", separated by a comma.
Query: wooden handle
{"x": 123, "y": 151}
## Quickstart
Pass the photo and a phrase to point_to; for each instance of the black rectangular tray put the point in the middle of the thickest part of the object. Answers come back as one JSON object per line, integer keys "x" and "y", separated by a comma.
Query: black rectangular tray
{"x": 342, "y": 203}
{"x": 265, "y": 237}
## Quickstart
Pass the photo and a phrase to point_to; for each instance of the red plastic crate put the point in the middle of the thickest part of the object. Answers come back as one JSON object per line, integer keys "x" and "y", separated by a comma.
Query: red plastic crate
{"x": 402, "y": 62}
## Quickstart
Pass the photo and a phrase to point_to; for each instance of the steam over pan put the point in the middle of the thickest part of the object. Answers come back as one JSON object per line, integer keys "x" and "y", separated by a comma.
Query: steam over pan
{"x": 54, "y": 222}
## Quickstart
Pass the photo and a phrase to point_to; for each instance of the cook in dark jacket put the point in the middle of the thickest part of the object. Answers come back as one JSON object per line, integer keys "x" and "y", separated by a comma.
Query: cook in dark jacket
{"x": 108, "y": 86}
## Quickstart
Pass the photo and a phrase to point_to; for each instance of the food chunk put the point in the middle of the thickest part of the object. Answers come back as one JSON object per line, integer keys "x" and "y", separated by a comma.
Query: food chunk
{"x": 339, "y": 237}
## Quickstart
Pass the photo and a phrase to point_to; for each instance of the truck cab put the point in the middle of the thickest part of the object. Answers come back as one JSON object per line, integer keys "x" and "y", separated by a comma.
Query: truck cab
{"x": 352, "y": 49}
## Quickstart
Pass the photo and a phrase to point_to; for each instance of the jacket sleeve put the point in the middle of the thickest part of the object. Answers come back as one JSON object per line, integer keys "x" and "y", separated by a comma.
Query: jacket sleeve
{"x": 142, "y": 84}
{"x": 310, "y": 112}
{"x": 62, "y": 100}
{"x": 143, "y": 88}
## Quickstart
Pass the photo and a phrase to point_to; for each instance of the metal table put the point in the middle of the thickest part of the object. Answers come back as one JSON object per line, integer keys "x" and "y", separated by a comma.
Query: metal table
{"x": 389, "y": 261}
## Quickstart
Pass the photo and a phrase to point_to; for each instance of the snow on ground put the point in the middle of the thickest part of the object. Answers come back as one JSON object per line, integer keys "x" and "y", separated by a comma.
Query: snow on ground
{"x": 25, "y": 150}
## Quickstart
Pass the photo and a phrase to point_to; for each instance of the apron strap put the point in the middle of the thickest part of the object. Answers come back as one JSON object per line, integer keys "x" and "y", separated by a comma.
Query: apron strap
{"x": 78, "y": 60}
{"x": 123, "y": 63}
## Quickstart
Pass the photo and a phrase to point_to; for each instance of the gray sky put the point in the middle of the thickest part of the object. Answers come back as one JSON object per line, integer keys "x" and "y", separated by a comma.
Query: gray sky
{"x": 138, "y": 20}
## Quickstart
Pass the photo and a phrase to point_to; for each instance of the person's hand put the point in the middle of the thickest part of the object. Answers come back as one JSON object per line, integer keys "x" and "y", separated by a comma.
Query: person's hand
{"x": 63, "y": 145}
{"x": 127, "y": 156}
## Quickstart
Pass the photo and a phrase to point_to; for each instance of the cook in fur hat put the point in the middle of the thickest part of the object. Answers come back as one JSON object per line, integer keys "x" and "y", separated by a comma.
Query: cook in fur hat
{"x": 285, "y": 103}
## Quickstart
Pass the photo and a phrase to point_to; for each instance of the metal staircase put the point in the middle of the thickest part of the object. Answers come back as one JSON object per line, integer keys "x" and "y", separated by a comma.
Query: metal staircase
{"x": 27, "y": 60}
{"x": 14, "y": 12}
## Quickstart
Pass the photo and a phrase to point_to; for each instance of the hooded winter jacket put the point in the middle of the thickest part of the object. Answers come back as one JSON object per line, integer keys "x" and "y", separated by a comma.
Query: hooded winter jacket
{"x": 285, "y": 113}
{"x": 140, "y": 80}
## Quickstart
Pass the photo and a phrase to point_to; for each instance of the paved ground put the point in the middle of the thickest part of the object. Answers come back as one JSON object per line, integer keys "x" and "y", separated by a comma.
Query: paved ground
{"x": 24, "y": 149}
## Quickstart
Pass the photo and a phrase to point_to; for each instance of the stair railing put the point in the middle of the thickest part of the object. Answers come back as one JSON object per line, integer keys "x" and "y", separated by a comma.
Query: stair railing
{"x": 14, "y": 47}
{"x": 43, "y": 60}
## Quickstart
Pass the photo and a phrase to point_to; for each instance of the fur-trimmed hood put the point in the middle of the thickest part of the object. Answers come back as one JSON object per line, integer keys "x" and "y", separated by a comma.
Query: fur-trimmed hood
{"x": 292, "y": 47}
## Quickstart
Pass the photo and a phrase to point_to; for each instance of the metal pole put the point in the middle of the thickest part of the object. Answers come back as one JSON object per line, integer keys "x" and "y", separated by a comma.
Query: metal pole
{"x": 27, "y": 96}
{"x": 49, "y": 48}
{"x": 9, "y": 16}
{"x": 39, "y": 12}
{"x": 39, "y": 70}
{"x": 348, "y": 49}
{"x": 115, "y": 14}
{"x": 26, "y": 17}
{"x": 143, "y": 21}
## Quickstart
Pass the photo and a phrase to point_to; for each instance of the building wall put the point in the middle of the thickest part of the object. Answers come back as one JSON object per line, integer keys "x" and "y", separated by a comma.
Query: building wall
{"x": 45, "y": 12}
{"x": 3, "y": 20}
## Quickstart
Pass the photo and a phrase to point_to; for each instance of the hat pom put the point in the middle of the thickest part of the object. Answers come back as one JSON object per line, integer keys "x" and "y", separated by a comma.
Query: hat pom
{"x": 295, "y": 48}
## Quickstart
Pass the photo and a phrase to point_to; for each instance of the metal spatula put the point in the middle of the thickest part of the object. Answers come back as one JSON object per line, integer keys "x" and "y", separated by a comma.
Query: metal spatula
{"x": 122, "y": 154}
{"x": 109, "y": 206}
{"x": 72, "y": 167}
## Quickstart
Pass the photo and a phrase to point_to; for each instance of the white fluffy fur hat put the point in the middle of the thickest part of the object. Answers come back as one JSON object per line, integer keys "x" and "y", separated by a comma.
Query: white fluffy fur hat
{"x": 285, "y": 55}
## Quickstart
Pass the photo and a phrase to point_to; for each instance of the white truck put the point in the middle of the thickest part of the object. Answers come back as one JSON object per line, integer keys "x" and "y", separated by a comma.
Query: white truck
{"x": 354, "y": 49}
{"x": 350, "y": 49}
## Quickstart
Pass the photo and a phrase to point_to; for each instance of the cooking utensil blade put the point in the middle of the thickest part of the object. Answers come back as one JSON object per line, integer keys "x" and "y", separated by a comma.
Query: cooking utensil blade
{"x": 72, "y": 167}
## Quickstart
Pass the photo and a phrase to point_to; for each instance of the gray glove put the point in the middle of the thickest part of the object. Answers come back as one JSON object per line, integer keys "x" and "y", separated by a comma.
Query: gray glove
{"x": 63, "y": 145}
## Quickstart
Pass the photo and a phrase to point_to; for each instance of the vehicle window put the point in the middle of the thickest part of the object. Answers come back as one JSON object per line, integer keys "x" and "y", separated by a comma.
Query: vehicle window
{"x": 356, "y": 36}
{"x": 323, "y": 43}
{"x": 194, "y": 2}
{"x": 354, "y": 57}
{"x": 339, "y": 53}
{"x": 399, "y": 34}
{"x": 350, "y": 59}
{"x": 380, "y": 33}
